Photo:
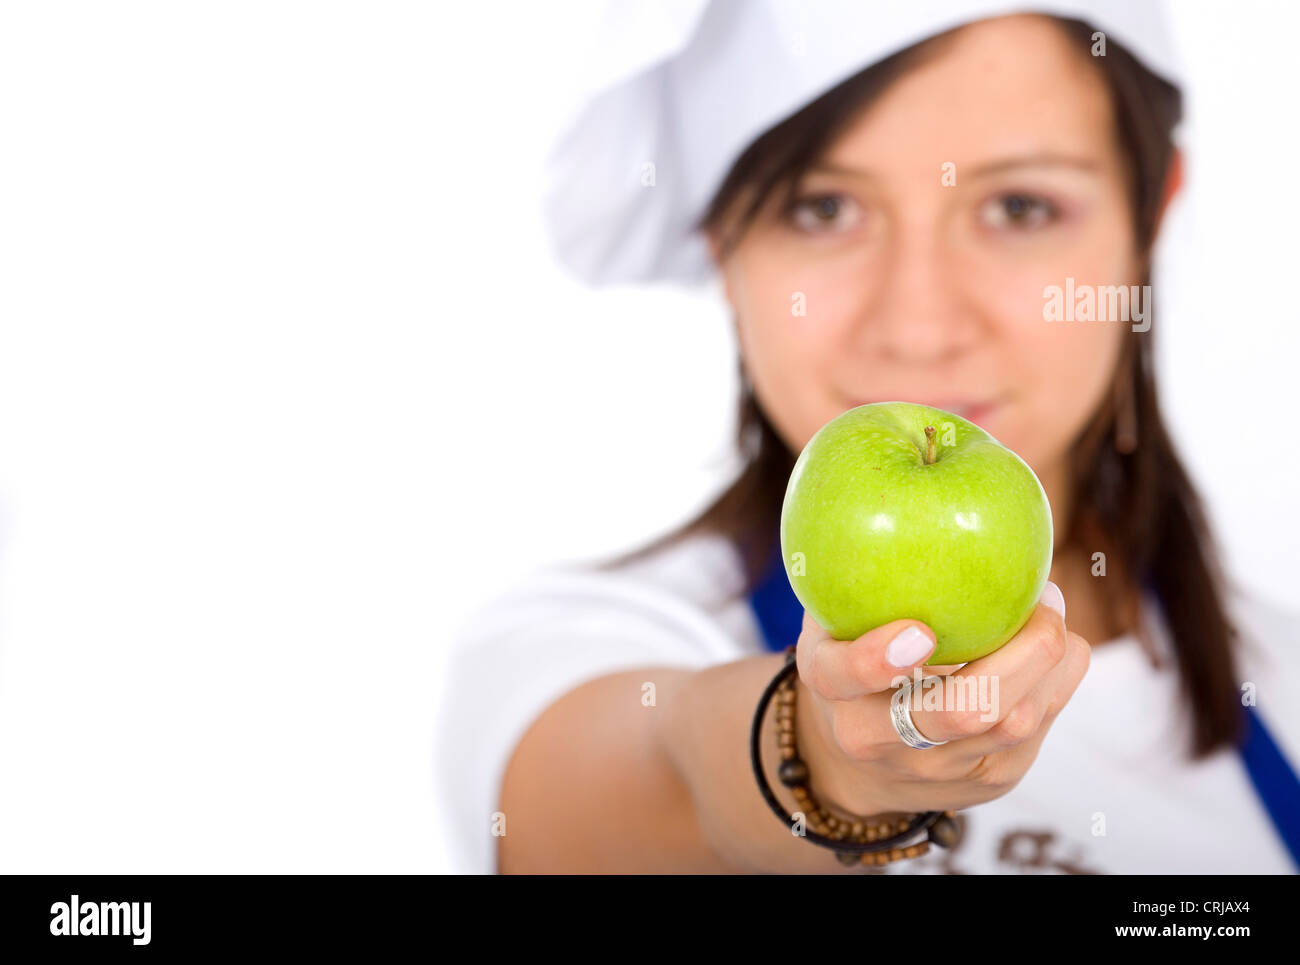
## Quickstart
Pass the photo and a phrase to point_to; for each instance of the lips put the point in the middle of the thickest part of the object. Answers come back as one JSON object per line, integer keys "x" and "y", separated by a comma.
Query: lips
{"x": 982, "y": 414}
{"x": 970, "y": 411}
{"x": 979, "y": 413}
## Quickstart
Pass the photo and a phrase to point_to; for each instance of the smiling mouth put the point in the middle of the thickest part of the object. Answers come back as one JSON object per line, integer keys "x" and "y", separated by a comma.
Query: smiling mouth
{"x": 976, "y": 412}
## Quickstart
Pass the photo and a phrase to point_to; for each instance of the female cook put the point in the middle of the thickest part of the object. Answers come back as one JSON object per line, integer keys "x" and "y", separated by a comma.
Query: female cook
{"x": 887, "y": 192}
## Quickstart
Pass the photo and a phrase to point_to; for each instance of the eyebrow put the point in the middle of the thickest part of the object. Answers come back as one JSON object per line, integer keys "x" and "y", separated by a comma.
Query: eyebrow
{"x": 988, "y": 167}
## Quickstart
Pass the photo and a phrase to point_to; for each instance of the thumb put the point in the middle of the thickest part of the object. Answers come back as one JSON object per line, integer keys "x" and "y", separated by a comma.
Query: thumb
{"x": 842, "y": 670}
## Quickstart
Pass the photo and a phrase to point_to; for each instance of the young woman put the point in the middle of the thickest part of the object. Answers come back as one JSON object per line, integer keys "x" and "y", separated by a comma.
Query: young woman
{"x": 916, "y": 209}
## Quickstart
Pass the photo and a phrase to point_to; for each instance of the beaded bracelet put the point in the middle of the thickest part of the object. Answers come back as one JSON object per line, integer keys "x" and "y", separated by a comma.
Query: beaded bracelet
{"x": 859, "y": 841}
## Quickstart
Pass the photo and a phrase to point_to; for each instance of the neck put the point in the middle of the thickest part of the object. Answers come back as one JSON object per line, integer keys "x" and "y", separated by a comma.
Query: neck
{"x": 1100, "y": 603}
{"x": 1060, "y": 494}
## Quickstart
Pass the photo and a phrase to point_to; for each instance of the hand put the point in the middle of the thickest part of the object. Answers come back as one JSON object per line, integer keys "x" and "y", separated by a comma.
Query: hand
{"x": 857, "y": 760}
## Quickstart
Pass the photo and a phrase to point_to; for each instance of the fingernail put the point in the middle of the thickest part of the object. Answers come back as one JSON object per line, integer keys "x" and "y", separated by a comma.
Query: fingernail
{"x": 908, "y": 647}
{"x": 1052, "y": 597}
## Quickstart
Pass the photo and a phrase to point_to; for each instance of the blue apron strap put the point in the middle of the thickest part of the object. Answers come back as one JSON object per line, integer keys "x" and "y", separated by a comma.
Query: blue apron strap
{"x": 1275, "y": 781}
{"x": 777, "y": 609}
{"x": 780, "y": 618}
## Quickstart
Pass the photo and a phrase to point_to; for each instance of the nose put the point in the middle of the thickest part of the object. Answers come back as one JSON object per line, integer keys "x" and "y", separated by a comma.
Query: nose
{"x": 919, "y": 314}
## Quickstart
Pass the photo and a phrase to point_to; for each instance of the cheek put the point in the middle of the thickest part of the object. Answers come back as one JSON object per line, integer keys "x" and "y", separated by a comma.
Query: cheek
{"x": 1069, "y": 368}
{"x": 791, "y": 322}
{"x": 1061, "y": 370}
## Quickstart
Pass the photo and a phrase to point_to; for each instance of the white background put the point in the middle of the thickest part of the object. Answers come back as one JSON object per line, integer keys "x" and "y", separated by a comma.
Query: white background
{"x": 288, "y": 384}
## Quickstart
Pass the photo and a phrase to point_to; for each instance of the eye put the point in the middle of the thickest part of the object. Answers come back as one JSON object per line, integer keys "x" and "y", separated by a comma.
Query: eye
{"x": 824, "y": 214}
{"x": 1017, "y": 212}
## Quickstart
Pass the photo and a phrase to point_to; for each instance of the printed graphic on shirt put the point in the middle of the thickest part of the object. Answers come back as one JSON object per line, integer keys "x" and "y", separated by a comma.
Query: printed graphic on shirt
{"x": 1018, "y": 851}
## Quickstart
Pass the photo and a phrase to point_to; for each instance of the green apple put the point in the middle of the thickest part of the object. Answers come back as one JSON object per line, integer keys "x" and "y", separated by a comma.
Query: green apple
{"x": 899, "y": 511}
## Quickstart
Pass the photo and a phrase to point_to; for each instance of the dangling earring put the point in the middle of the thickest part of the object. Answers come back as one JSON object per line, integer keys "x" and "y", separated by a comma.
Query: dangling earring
{"x": 1126, "y": 420}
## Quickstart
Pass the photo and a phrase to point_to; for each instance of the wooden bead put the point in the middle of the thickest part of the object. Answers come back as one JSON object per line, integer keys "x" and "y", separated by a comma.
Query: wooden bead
{"x": 792, "y": 771}
{"x": 945, "y": 832}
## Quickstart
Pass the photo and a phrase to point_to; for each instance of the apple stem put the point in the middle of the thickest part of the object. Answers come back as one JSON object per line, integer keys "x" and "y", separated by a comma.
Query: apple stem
{"x": 930, "y": 452}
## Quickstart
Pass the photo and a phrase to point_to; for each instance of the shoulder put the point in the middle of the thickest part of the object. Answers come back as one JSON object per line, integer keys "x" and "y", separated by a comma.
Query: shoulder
{"x": 688, "y": 593}
{"x": 679, "y": 606}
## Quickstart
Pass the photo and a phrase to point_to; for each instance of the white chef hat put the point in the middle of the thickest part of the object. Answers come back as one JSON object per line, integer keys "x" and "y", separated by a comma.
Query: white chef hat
{"x": 688, "y": 85}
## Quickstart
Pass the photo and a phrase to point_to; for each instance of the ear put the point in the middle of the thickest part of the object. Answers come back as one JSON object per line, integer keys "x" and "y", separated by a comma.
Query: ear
{"x": 1173, "y": 185}
{"x": 714, "y": 247}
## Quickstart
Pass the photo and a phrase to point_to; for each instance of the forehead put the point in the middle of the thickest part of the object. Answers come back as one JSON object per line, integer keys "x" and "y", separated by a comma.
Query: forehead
{"x": 1007, "y": 86}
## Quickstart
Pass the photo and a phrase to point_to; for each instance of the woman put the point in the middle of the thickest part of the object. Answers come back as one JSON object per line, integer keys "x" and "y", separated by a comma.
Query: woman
{"x": 890, "y": 235}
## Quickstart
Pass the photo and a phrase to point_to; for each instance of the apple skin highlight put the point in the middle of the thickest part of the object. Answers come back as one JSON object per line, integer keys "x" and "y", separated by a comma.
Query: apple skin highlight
{"x": 872, "y": 533}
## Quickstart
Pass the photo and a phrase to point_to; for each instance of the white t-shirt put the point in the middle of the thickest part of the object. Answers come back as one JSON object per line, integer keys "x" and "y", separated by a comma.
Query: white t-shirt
{"x": 1111, "y": 791}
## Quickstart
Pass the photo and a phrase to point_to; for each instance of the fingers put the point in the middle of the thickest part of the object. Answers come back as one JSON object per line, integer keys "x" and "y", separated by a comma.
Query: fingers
{"x": 1005, "y": 758}
{"x": 1004, "y": 678}
{"x": 1013, "y": 682}
{"x": 1004, "y": 742}
{"x": 1031, "y": 718}
{"x": 842, "y": 670}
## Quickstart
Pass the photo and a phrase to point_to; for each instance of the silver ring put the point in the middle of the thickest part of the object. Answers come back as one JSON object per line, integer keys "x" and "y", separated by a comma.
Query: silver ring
{"x": 900, "y": 715}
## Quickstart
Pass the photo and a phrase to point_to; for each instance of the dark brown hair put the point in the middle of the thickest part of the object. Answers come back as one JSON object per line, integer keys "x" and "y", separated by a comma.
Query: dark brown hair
{"x": 1133, "y": 496}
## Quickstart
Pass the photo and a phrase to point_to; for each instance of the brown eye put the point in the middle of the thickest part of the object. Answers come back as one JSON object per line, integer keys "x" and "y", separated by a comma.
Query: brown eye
{"x": 825, "y": 214}
{"x": 1017, "y": 212}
